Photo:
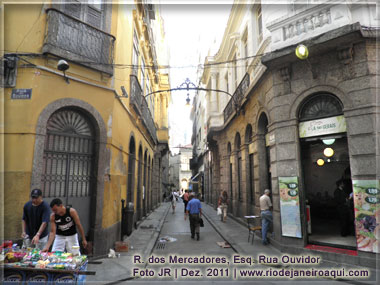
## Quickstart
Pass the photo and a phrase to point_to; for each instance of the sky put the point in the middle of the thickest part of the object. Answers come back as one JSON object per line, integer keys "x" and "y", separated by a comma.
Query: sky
{"x": 190, "y": 30}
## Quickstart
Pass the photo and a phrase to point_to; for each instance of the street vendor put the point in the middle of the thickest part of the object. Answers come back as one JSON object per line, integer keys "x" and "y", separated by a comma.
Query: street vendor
{"x": 63, "y": 230}
{"x": 35, "y": 221}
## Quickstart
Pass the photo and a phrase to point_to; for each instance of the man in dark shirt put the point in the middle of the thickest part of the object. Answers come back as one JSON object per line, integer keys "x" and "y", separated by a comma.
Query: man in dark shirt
{"x": 35, "y": 220}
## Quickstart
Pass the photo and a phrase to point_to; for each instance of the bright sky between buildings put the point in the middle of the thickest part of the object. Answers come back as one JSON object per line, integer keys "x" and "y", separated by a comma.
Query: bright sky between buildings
{"x": 191, "y": 30}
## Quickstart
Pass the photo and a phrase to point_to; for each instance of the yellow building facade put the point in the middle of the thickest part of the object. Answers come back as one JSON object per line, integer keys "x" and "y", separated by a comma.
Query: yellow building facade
{"x": 82, "y": 129}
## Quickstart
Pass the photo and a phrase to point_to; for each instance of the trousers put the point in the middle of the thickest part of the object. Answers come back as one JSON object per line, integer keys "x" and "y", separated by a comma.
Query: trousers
{"x": 266, "y": 222}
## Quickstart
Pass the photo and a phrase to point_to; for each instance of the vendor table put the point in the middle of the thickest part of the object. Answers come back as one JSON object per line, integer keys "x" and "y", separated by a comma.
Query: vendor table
{"x": 28, "y": 275}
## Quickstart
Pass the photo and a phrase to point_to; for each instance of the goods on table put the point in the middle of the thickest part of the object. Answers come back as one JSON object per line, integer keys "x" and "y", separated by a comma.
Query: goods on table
{"x": 34, "y": 258}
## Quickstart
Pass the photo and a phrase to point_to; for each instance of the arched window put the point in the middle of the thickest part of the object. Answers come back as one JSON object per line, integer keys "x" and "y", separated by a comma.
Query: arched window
{"x": 319, "y": 106}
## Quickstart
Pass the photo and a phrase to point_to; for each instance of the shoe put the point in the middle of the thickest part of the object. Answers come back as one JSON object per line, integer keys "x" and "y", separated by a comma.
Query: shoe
{"x": 197, "y": 236}
{"x": 192, "y": 236}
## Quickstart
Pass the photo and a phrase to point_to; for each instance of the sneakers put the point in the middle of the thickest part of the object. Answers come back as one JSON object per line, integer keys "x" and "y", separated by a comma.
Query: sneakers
{"x": 197, "y": 236}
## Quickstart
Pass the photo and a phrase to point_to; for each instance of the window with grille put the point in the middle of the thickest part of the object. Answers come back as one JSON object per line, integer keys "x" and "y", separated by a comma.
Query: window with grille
{"x": 68, "y": 155}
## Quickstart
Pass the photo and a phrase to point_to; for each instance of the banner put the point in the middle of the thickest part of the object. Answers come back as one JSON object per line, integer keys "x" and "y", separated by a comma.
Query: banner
{"x": 367, "y": 214}
{"x": 290, "y": 207}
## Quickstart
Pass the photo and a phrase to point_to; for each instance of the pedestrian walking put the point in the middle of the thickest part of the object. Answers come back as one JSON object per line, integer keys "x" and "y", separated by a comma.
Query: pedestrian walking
{"x": 173, "y": 200}
{"x": 266, "y": 215}
{"x": 223, "y": 205}
{"x": 194, "y": 211}
{"x": 35, "y": 220}
{"x": 63, "y": 230}
{"x": 185, "y": 199}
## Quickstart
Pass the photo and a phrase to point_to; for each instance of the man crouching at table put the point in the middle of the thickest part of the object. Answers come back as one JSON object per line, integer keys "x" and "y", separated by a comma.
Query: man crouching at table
{"x": 63, "y": 230}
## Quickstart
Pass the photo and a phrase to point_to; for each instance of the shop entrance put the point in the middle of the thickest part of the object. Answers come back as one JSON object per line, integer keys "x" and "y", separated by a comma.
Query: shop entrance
{"x": 331, "y": 209}
{"x": 326, "y": 172}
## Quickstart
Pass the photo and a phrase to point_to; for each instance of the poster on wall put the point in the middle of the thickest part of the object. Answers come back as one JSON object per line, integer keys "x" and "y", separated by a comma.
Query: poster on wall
{"x": 367, "y": 214}
{"x": 290, "y": 207}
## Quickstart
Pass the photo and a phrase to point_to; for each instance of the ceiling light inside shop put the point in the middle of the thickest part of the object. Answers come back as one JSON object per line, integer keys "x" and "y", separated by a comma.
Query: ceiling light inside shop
{"x": 320, "y": 162}
{"x": 328, "y": 142}
{"x": 328, "y": 152}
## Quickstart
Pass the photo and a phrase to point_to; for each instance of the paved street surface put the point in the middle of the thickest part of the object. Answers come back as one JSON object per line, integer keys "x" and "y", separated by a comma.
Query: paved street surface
{"x": 162, "y": 251}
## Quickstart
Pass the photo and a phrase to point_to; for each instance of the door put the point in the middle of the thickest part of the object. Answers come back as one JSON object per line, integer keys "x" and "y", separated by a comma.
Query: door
{"x": 67, "y": 170}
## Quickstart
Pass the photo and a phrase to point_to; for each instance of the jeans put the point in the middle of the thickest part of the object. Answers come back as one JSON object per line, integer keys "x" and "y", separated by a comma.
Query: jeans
{"x": 266, "y": 222}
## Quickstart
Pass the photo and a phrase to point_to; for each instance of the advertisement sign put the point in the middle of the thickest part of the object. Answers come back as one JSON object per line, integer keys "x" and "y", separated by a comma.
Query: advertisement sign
{"x": 367, "y": 214}
{"x": 290, "y": 207}
{"x": 321, "y": 127}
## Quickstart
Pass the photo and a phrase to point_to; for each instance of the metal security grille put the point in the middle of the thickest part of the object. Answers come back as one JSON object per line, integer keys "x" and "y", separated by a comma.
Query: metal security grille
{"x": 68, "y": 155}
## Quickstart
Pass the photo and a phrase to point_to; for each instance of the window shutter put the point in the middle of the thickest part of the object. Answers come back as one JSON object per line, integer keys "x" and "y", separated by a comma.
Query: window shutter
{"x": 94, "y": 17}
{"x": 73, "y": 10}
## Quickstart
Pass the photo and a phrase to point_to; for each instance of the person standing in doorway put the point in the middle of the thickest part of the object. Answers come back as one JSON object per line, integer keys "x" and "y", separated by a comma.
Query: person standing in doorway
{"x": 185, "y": 198}
{"x": 63, "y": 230}
{"x": 194, "y": 210}
{"x": 223, "y": 204}
{"x": 35, "y": 220}
{"x": 266, "y": 215}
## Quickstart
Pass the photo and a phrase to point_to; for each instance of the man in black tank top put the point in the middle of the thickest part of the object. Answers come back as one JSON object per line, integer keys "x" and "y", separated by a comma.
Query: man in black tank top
{"x": 63, "y": 231}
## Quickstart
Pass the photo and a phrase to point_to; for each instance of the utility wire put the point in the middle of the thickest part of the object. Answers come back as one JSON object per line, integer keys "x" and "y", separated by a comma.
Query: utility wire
{"x": 134, "y": 66}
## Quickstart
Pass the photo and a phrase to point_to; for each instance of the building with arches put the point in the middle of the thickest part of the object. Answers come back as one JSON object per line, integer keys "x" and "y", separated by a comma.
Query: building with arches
{"x": 84, "y": 130}
{"x": 301, "y": 127}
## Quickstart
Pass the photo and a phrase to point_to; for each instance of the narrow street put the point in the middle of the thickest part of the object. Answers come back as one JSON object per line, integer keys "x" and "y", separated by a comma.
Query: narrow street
{"x": 176, "y": 257}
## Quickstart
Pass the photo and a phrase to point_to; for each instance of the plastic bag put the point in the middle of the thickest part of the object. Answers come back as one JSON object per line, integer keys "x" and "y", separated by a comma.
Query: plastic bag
{"x": 219, "y": 211}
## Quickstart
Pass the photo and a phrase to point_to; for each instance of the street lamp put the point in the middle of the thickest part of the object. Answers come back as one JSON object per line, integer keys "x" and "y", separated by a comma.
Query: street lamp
{"x": 188, "y": 85}
{"x": 302, "y": 52}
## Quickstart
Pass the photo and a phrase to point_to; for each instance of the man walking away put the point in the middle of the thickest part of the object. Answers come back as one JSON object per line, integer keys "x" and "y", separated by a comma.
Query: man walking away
{"x": 185, "y": 198}
{"x": 266, "y": 215}
{"x": 35, "y": 220}
{"x": 194, "y": 210}
{"x": 64, "y": 223}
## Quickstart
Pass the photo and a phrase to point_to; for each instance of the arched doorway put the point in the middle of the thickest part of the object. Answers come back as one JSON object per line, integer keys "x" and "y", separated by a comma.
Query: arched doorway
{"x": 239, "y": 176}
{"x": 230, "y": 184}
{"x": 263, "y": 150}
{"x": 326, "y": 171}
{"x": 68, "y": 169}
{"x": 145, "y": 183}
{"x": 131, "y": 169}
{"x": 250, "y": 170}
{"x": 139, "y": 185}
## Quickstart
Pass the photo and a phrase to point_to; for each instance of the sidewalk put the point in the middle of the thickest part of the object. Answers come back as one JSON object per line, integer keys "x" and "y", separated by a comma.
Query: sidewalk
{"x": 237, "y": 235}
{"x": 141, "y": 243}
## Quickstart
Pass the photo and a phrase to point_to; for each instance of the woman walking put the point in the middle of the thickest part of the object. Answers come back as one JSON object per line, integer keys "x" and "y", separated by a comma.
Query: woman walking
{"x": 223, "y": 205}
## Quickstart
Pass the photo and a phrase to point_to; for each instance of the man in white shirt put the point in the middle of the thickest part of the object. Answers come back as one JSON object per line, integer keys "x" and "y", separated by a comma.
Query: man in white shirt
{"x": 266, "y": 215}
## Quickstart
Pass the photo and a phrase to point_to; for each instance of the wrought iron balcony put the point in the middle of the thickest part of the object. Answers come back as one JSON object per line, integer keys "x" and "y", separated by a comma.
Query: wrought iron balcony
{"x": 237, "y": 97}
{"x": 141, "y": 106}
{"x": 75, "y": 40}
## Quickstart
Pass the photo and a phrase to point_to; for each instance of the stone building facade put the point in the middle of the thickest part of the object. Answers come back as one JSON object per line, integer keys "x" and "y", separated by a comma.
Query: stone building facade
{"x": 283, "y": 115}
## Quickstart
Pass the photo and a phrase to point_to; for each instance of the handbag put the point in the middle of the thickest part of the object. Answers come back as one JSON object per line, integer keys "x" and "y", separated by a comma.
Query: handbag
{"x": 201, "y": 224}
{"x": 219, "y": 211}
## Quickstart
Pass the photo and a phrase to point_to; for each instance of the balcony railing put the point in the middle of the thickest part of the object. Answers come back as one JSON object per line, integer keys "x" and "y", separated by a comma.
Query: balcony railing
{"x": 237, "y": 97}
{"x": 75, "y": 40}
{"x": 141, "y": 106}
